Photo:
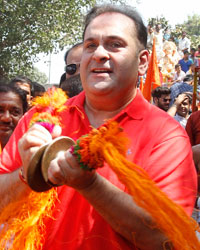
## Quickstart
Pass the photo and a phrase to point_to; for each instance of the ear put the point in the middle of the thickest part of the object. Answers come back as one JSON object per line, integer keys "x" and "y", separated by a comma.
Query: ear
{"x": 143, "y": 58}
{"x": 155, "y": 100}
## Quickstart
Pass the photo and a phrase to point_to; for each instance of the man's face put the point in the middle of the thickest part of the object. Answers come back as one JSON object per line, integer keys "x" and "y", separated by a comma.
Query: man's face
{"x": 183, "y": 34}
{"x": 111, "y": 59}
{"x": 186, "y": 56}
{"x": 183, "y": 108}
{"x": 178, "y": 69}
{"x": 163, "y": 102}
{"x": 11, "y": 110}
{"x": 74, "y": 57}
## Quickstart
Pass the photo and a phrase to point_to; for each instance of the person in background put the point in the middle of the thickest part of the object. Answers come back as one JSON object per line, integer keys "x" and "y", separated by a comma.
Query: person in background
{"x": 70, "y": 81}
{"x": 94, "y": 209}
{"x": 161, "y": 97}
{"x": 72, "y": 86}
{"x": 197, "y": 57}
{"x": 182, "y": 87}
{"x": 180, "y": 109}
{"x": 24, "y": 83}
{"x": 184, "y": 43}
{"x": 72, "y": 60}
{"x": 192, "y": 54}
{"x": 13, "y": 105}
{"x": 193, "y": 128}
{"x": 191, "y": 70}
{"x": 185, "y": 62}
{"x": 150, "y": 36}
{"x": 37, "y": 89}
{"x": 179, "y": 74}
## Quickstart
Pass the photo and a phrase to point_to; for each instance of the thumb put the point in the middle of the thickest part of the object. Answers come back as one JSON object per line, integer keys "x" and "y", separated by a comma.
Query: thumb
{"x": 57, "y": 130}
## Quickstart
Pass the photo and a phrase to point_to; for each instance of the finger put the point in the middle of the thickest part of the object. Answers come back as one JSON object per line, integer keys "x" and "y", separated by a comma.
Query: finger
{"x": 71, "y": 159}
{"x": 57, "y": 130}
{"x": 37, "y": 128}
{"x": 55, "y": 174}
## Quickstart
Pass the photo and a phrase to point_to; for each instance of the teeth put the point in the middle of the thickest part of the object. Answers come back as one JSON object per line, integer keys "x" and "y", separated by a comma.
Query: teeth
{"x": 100, "y": 71}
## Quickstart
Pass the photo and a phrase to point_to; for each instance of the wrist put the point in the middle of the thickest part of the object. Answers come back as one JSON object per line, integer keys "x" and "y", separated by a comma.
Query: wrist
{"x": 90, "y": 186}
{"x": 21, "y": 176}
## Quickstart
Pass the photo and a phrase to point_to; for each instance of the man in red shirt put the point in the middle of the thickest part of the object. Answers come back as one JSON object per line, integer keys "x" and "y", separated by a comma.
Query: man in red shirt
{"x": 94, "y": 210}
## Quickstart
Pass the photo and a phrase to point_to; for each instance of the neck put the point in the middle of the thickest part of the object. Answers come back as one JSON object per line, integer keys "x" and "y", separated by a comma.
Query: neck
{"x": 99, "y": 112}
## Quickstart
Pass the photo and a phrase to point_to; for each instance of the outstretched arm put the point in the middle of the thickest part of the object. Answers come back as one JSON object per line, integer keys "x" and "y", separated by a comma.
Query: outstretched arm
{"x": 114, "y": 205}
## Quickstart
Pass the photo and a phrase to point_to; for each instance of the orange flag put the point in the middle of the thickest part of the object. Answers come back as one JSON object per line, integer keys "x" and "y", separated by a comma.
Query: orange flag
{"x": 153, "y": 75}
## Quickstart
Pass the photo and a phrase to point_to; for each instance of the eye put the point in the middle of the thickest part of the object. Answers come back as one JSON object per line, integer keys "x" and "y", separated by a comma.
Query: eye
{"x": 115, "y": 44}
{"x": 16, "y": 112}
{"x": 91, "y": 45}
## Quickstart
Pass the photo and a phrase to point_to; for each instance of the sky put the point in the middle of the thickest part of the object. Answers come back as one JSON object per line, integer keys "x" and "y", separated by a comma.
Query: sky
{"x": 175, "y": 11}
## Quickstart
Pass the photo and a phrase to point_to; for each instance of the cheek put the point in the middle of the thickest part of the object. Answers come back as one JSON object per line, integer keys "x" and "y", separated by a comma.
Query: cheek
{"x": 16, "y": 120}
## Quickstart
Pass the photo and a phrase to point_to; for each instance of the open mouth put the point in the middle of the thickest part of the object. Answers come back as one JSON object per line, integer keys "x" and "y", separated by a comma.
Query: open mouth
{"x": 101, "y": 71}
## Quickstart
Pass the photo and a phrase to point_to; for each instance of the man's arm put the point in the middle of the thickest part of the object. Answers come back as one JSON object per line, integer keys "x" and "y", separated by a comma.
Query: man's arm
{"x": 11, "y": 188}
{"x": 114, "y": 205}
{"x": 125, "y": 217}
{"x": 177, "y": 102}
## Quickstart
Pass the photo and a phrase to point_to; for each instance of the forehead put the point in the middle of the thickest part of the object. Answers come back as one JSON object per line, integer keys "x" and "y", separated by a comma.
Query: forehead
{"x": 165, "y": 96}
{"x": 110, "y": 24}
{"x": 74, "y": 55}
{"x": 24, "y": 86}
{"x": 10, "y": 98}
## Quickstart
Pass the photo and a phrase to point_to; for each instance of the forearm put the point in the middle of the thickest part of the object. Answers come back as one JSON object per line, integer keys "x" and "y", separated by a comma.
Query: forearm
{"x": 172, "y": 110}
{"x": 125, "y": 217}
{"x": 11, "y": 187}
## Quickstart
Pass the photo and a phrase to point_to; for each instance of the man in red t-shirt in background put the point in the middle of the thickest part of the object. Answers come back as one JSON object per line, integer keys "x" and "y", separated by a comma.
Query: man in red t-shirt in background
{"x": 94, "y": 210}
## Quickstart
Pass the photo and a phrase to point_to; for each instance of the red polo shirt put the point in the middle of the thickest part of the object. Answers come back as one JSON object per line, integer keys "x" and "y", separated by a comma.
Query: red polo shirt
{"x": 158, "y": 144}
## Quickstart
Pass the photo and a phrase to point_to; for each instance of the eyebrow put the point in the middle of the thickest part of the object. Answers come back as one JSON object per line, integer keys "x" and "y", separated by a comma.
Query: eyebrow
{"x": 108, "y": 37}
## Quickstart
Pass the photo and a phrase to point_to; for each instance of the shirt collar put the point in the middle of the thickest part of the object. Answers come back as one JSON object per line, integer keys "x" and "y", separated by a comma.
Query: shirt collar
{"x": 136, "y": 109}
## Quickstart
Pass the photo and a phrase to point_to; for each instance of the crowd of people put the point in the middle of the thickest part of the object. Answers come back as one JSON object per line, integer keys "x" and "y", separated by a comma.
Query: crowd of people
{"x": 94, "y": 209}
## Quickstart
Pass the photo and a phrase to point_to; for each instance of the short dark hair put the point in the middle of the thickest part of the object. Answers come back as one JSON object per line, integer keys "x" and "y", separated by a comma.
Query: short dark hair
{"x": 188, "y": 96}
{"x": 193, "y": 49}
{"x": 21, "y": 79}
{"x": 159, "y": 91}
{"x": 74, "y": 46}
{"x": 5, "y": 88}
{"x": 126, "y": 10}
{"x": 177, "y": 65}
{"x": 186, "y": 52}
{"x": 37, "y": 88}
{"x": 188, "y": 78}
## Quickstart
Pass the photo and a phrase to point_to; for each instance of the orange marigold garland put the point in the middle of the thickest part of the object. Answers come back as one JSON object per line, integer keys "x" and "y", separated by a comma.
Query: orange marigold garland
{"x": 108, "y": 144}
{"x": 22, "y": 221}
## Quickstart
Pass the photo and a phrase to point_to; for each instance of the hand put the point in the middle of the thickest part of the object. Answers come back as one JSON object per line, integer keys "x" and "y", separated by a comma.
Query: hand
{"x": 180, "y": 99}
{"x": 65, "y": 170}
{"x": 31, "y": 141}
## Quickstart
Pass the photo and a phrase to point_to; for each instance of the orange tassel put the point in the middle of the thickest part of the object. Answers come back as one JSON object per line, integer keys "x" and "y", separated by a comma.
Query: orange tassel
{"x": 108, "y": 144}
{"x": 22, "y": 220}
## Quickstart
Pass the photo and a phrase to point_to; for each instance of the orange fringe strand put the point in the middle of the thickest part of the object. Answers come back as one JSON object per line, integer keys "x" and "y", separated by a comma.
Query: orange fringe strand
{"x": 108, "y": 144}
{"x": 22, "y": 221}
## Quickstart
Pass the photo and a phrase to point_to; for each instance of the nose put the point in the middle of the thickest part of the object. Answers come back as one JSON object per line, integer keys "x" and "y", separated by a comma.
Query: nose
{"x": 101, "y": 54}
{"x": 5, "y": 116}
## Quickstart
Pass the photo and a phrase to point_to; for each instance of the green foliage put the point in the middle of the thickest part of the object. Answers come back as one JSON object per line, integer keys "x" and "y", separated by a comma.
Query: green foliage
{"x": 36, "y": 76}
{"x": 159, "y": 20}
{"x": 29, "y": 27}
{"x": 191, "y": 26}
